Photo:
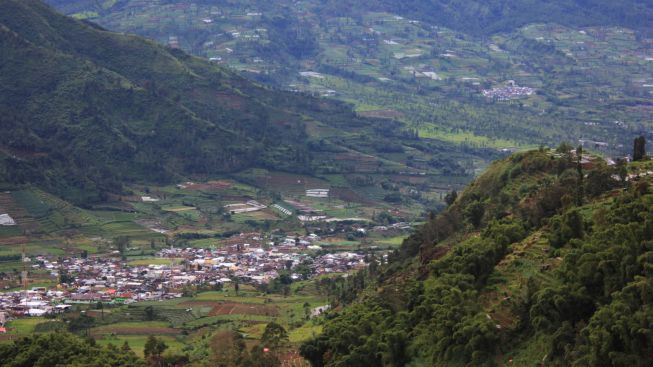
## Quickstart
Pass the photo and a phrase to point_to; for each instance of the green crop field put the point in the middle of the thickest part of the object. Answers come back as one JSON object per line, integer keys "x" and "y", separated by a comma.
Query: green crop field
{"x": 304, "y": 333}
{"x": 24, "y": 326}
{"x": 389, "y": 108}
{"x": 137, "y": 342}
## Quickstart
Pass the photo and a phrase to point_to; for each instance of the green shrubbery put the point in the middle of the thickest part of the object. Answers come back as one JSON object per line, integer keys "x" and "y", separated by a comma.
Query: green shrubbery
{"x": 594, "y": 309}
{"x": 62, "y": 349}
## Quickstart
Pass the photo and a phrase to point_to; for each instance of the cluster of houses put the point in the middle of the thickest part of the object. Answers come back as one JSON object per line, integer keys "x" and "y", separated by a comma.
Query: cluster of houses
{"x": 6, "y": 220}
{"x": 508, "y": 92}
{"x": 257, "y": 265}
{"x": 247, "y": 258}
{"x": 249, "y": 206}
{"x": 317, "y": 193}
{"x": 403, "y": 226}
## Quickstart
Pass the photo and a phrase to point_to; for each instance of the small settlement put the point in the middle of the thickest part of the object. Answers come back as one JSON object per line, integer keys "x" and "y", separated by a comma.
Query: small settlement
{"x": 245, "y": 258}
{"x": 508, "y": 92}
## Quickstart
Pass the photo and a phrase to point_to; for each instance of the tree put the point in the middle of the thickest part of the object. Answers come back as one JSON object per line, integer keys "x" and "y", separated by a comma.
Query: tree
{"x": 125, "y": 347}
{"x": 100, "y": 306}
{"x": 566, "y": 227}
{"x": 622, "y": 170}
{"x": 274, "y": 335}
{"x": 65, "y": 277}
{"x": 153, "y": 350}
{"x": 600, "y": 180}
{"x": 474, "y": 212}
{"x": 373, "y": 265}
{"x": 564, "y": 148}
{"x": 150, "y": 314}
{"x": 121, "y": 243}
{"x": 261, "y": 356}
{"x": 639, "y": 148}
{"x": 81, "y": 323}
{"x": 579, "y": 182}
{"x": 451, "y": 197}
{"x": 227, "y": 349}
{"x": 64, "y": 349}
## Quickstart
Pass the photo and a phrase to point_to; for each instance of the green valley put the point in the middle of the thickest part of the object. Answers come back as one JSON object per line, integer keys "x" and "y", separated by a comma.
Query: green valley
{"x": 581, "y": 80}
{"x": 325, "y": 183}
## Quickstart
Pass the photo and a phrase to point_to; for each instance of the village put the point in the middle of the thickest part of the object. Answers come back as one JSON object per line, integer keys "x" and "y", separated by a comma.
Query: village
{"x": 508, "y": 92}
{"x": 248, "y": 259}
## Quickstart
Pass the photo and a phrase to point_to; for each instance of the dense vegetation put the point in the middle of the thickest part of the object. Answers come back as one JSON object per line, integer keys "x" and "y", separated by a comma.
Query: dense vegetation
{"x": 61, "y": 349}
{"x": 543, "y": 258}
{"x": 86, "y": 110}
{"x": 539, "y": 259}
{"x": 224, "y": 348}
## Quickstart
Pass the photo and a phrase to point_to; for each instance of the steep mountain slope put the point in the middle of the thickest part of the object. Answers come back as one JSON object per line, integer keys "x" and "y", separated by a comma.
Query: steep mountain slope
{"x": 544, "y": 258}
{"x": 85, "y": 110}
{"x": 102, "y": 107}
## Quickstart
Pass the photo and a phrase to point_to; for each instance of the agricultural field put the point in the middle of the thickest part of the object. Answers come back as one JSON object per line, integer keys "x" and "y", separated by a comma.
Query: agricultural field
{"x": 197, "y": 214}
{"x": 425, "y": 76}
{"x": 422, "y": 84}
{"x": 180, "y": 322}
{"x": 194, "y": 239}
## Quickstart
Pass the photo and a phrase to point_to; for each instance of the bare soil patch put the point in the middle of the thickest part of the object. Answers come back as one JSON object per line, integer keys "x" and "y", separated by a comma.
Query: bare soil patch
{"x": 199, "y": 304}
{"x": 13, "y": 240}
{"x": 243, "y": 309}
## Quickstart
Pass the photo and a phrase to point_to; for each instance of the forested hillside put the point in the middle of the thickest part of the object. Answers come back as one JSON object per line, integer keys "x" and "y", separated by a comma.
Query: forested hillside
{"x": 546, "y": 257}
{"x": 84, "y": 107}
{"x": 86, "y": 110}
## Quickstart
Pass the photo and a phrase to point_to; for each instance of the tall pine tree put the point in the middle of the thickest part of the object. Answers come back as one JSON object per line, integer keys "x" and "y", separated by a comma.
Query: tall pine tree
{"x": 639, "y": 148}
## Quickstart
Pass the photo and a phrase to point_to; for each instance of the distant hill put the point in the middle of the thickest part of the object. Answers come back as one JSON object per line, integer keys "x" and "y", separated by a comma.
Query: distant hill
{"x": 485, "y": 17}
{"x": 428, "y": 64}
{"x": 85, "y": 110}
{"x": 544, "y": 259}
{"x": 477, "y": 17}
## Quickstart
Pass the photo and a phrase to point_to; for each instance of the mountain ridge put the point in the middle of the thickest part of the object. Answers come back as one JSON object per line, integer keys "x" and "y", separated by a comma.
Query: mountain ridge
{"x": 479, "y": 18}
{"x": 93, "y": 109}
{"x": 521, "y": 267}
